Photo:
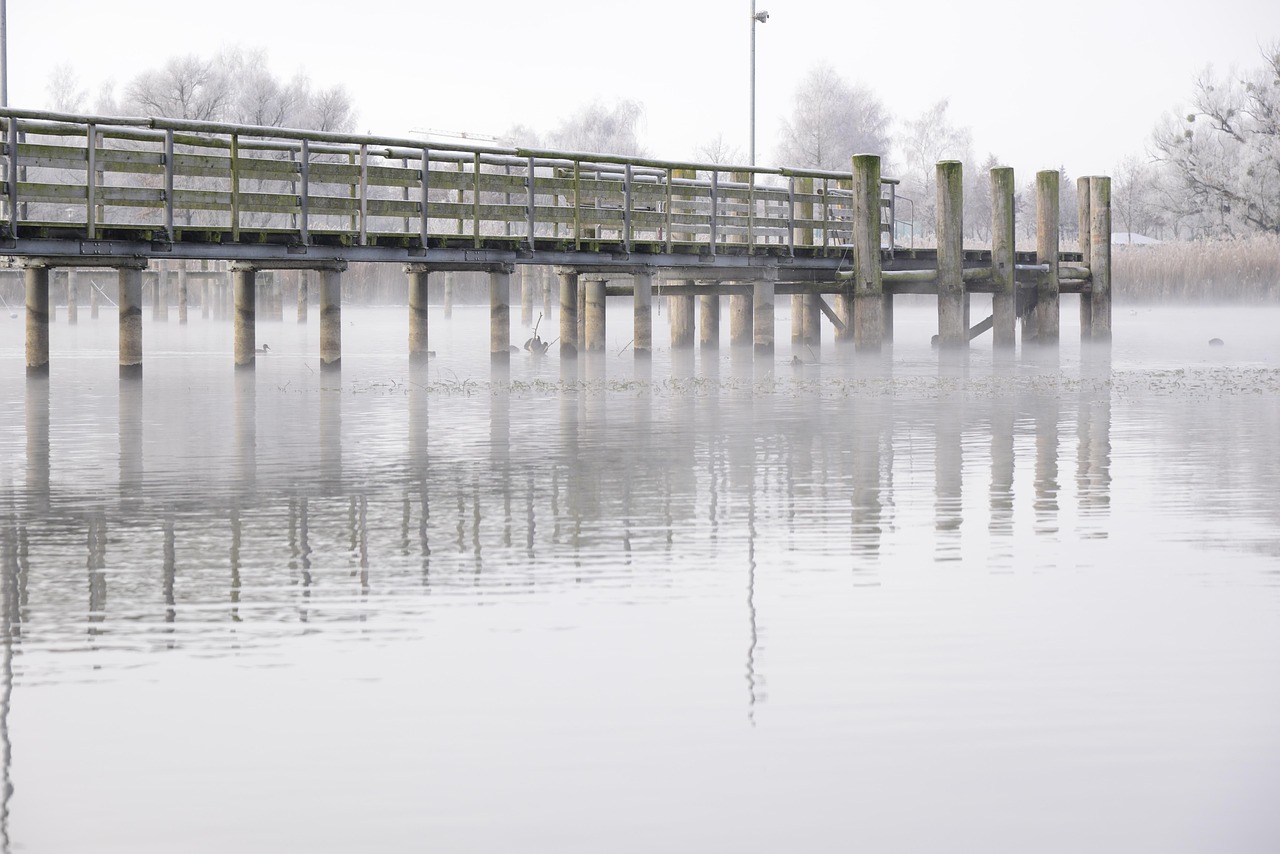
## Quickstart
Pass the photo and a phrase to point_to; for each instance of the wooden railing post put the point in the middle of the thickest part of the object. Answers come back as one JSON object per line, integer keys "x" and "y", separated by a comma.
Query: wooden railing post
{"x": 952, "y": 332}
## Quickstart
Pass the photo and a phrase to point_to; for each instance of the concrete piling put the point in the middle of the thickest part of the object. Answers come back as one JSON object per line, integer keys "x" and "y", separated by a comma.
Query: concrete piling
{"x": 682, "y": 312}
{"x": 130, "y": 303}
{"x": 762, "y": 315}
{"x": 709, "y": 321}
{"x": 244, "y": 288}
{"x": 418, "y": 293}
{"x": 500, "y": 313}
{"x": 594, "y": 324}
{"x": 37, "y": 283}
{"x": 642, "y": 318}
{"x": 741, "y": 324}
{"x": 330, "y": 320}
{"x": 182, "y": 295}
{"x": 568, "y": 313}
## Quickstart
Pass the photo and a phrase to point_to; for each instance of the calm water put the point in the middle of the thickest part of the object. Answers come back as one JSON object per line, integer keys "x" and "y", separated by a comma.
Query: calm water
{"x": 708, "y": 606}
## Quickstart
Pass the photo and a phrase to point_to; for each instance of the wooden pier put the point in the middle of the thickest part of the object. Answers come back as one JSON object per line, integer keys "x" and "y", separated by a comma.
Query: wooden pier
{"x": 124, "y": 194}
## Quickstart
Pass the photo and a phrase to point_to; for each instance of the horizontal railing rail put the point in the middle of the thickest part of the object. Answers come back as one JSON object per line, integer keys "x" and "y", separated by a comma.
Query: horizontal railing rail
{"x": 180, "y": 180}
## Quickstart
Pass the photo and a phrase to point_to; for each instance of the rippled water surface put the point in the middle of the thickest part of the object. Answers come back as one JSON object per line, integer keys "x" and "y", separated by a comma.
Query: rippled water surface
{"x": 709, "y": 603}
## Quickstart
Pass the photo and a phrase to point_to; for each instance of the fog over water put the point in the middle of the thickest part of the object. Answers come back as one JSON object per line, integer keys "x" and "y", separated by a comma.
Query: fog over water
{"x": 706, "y": 603}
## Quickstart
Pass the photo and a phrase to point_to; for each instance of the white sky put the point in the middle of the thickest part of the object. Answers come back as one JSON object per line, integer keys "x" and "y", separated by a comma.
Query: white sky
{"x": 1079, "y": 85}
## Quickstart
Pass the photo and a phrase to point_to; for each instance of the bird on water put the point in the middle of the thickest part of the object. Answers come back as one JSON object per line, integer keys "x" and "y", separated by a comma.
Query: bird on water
{"x": 265, "y": 348}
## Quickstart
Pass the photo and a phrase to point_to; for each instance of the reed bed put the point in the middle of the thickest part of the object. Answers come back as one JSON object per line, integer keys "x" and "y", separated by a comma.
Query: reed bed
{"x": 1245, "y": 270}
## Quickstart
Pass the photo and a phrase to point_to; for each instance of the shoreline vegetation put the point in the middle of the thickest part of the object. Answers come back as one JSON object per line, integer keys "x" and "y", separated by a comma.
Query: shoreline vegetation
{"x": 1241, "y": 270}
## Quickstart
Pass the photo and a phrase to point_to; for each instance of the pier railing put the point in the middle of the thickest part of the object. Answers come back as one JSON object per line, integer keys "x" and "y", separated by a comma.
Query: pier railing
{"x": 176, "y": 181}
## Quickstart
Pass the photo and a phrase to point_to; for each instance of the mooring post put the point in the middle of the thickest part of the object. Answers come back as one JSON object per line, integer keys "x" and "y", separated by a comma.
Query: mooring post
{"x": 709, "y": 321}
{"x": 418, "y": 293}
{"x": 642, "y": 319}
{"x": 682, "y": 318}
{"x": 500, "y": 312}
{"x": 568, "y": 313}
{"x": 1100, "y": 257}
{"x": 304, "y": 278}
{"x": 1004, "y": 311}
{"x": 37, "y": 282}
{"x": 762, "y": 313}
{"x": 1047, "y": 291}
{"x": 73, "y": 297}
{"x": 245, "y": 295}
{"x": 182, "y": 294}
{"x": 868, "y": 284}
{"x": 1083, "y": 237}
{"x": 330, "y": 320}
{"x": 130, "y": 303}
{"x": 952, "y": 333}
{"x": 595, "y": 303}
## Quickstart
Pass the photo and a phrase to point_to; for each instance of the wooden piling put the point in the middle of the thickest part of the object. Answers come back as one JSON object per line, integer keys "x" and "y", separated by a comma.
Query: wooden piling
{"x": 568, "y": 313}
{"x": 1047, "y": 290}
{"x": 952, "y": 332}
{"x": 595, "y": 322}
{"x": 500, "y": 313}
{"x": 448, "y": 295}
{"x": 1100, "y": 257}
{"x": 130, "y": 310}
{"x": 182, "y": 295}
{"x": 330, "y": 320}
{"x": 527, "y": 285}
{"x": 93, "y": 300}
{"x": 1083, "y": 238}
{"x": 797, "y": 321}
{"x": 244, "y": 293}
{"x": 1003, "y": 263}
{"x": 160, "y": 307}
{"x": 811, "y": 306}
{"x": 642, "y": 318}
{"x": 868, "y": 285}
{"x": 418, "y": 294}
{"x": 709, "y": 321}
{"x": 37, "y": 284}
{"x": 762, "y": 296}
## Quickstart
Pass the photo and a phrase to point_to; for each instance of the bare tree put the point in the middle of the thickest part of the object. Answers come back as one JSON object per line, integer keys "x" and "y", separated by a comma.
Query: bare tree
{"x": 1225, "y": 152}
{"x": 719, "y": 151}
{"x": 928, "y": 139}
{"x": 831, "y": 121}
{"x": 600, "y": 128}
{"x": 65, "y": 93}
{"x": 185, "y": 87}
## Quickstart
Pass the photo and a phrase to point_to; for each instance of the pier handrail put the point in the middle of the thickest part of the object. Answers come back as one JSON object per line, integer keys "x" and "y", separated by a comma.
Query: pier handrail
{"x": 272, "y": 183}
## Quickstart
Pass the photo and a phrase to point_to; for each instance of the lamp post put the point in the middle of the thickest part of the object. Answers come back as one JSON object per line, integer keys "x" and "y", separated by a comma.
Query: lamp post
{"x": 4, "y": 53}
{"x": 756, "y": 18}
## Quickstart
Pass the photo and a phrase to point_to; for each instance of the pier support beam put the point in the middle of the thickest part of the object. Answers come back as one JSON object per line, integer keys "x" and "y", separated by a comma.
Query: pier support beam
{"x": 952, "y": 331}
{"x": 1003, "y": 263}
{"x": 709, "y": 321}
{"x": 1083, "y": 238}
{"x": 37, "y": 282}
{"x": 330, "y": 320}
{"x": 682, "y": 319}
{"x": 245, "y": 295}
{"x": 527, "y": 285}
{"x": 1047, "y": 290}
{"x": 182, "y": 295}
{"x": 500, "y": 313}
{"x": 568, "y": 313}
{"x": 594, "y": 322}
{"x": 642, "y": 319}
{"x": 762, "y": 315}
{"x": 418, "y": 292}
{"x": 1100, "y": 258}
{"x": 130, "y": 302}
{"x": 93, "y": 301}
{"x": 868, "y": 285}
{"x": 798, "y": 319}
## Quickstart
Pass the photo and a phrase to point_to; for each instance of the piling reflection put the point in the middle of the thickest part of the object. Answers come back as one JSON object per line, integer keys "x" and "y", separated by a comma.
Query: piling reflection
{"x": 578, "y": 480}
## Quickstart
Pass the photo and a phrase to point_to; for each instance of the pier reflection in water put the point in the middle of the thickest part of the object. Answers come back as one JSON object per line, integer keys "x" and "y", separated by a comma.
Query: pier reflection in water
{"x": 707, "y": 595}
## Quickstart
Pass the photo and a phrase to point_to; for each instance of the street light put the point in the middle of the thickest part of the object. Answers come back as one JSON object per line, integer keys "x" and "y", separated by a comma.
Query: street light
{"x": 756, "y": 18}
